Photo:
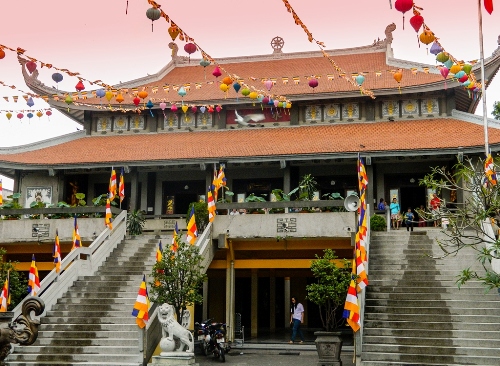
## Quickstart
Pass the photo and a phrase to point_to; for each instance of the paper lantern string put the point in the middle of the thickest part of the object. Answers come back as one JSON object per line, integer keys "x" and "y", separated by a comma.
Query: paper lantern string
{"x": 321, "y": 46}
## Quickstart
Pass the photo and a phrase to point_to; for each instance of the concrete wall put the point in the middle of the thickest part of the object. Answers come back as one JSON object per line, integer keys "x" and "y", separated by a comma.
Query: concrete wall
{"x": 39, "y": 180}
{"x": 324, "y": 224}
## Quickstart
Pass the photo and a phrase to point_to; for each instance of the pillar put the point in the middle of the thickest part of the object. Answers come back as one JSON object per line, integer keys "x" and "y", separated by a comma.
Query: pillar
{"x": 205, "y": 300}
{"x": 134, "y": 190}
{"x": 230, "y": 307}
{"x": 287, "y": 301}
{"x": 255, "y": 303}
{"x": 272, "y": 300}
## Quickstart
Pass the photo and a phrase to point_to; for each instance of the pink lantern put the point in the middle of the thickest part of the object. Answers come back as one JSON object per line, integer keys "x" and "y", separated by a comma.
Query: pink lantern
{"x": 403, "y": 6}
{"x": 163, "y": 105}
{"x": 268, "y": 84}
{"x": 20, "y": 116}
{"x": 48, "y": 113}
{"x": 218, "y": 108}
{"x": 313, "y": 83}
{"x": 444, "y": 72}
{"x": 216, "y": 72}
{"x": 173, "y": 108}
{"x": 190, "y": 48}
{"x": 265, "y": 100}
{"x": 194, "y": 109}
{"x": 276, "y": 102}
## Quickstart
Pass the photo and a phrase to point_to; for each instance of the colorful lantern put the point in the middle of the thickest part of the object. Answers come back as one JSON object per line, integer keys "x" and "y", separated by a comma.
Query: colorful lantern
{"x": 442, "y": 57}
{"x": 39, "y": 114}
{"x": 427, "y": 37}
{"x": 313, "y": 83}
{"x": 236, "y": 87}
{"x": 218, "y": 108}
{"x": 216, "y": 72}
{"x": 403, "y": 6}
{"x": 245, "y": 92}
{"x": 398, "y": 75}
{"x": 30, "y": 116}
{"x": 276, "y": 103}
{"x": 416, "y": 21}
{"x": 31, "y": 66}
{"x": 223, "y": 87}
{"x": 182, "y": 92}
{"x": 436, "y": 48}
{"x": 48, "y": 113}
{"x": 360, "y": 79}
{"x": 268, "y": 84}
{"x": 20, "y": 116}
{"x": 448, "y": 63}
{"x": 79, "y": 86}
{"x": 8, "y": 114}
{"x": 203, "y": 109}
{"x": 2, "y": 55}
{"x": 119, "y": 98}
{"x": 252, "y": 95}
{"x": 173, "y": 108}
{"x": 460, "y": 74}
{"x": 153, "y": 14}
{"x": 109, "y": 95}
{"x": 227, "y": 80}
{"x": 57, "y": 77}
{"x": 455, "y": 69}
{"x": 194, "y": 109}
{"x": 30, "y": 102}
{"x": 288, "y": 105}
{"x": 467, "y": 68}
{"x": 100, "y": 93}
{"x": 68, "y": 100}
{"x": 190, "y": 48}
{"x": 150, "y": 105}
{"x": 204, "y": 63}
{"x": 136, "y": 101}
{"x": 184, "y": 108}
{"x": 174, "y": 32}
{"x": 265, "y": 100}
{"x": 210, "y": 109}
{"x": 464, "y": 78}
{"x": 444, "y": 73}
{"x": 142, "y": 94}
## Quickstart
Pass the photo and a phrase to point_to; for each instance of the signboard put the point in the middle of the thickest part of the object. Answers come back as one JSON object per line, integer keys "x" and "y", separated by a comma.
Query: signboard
{"x": 40, "y": 230}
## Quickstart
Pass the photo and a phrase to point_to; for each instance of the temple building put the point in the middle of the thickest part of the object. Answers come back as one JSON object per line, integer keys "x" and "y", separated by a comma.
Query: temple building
{"x": 288, "y": 130}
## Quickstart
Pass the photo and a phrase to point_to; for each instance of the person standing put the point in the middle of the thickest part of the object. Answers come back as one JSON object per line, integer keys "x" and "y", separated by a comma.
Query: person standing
{"x": 409, "y": 219}
{"x": 381, "y": 205}
{"x": 296, "y": 318}
{"x": 435, "y": 204}
{"x": 394, "y": 207}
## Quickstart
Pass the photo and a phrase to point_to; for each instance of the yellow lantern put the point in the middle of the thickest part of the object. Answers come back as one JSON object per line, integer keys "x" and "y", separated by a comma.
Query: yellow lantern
{"x": 8, "y": 115}
{"x": 455, "y": 68}
{"x": 184, "y": 108}
{"x": 253, "y": 95}
{"x": 223, "y": 87}
{"x": 427, "y": 37}
{"x": 174, "y": 32}
{"x": 39, "y": 114}
{"x": 289, "y": 105}
{"x": 109, "y": 95}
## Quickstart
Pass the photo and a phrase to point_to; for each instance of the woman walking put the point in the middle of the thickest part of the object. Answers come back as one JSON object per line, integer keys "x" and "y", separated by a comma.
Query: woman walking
{"x": 296, "y": 318}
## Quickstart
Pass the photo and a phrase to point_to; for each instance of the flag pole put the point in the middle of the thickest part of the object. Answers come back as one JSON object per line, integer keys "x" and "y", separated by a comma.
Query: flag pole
{"x": 483, "y": 80}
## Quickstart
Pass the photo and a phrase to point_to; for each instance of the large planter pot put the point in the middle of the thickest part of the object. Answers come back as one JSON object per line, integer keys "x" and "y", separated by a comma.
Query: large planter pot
{"x": 328, "y": 345}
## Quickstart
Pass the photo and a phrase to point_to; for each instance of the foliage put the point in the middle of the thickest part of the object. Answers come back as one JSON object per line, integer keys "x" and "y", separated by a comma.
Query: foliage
{"x": 226, "y": 197}
{"x": 102, "y": 199}
{"x": 135, "y": 222}
{"x": 496, "y": 110}
{"x": 306, "y": 189}
{"x": 81, "y": 199}
{"x": 329, "y": 291}
{"x": 280, "y": 195}
{"x": 178, "y": 277}
{"x": 335, "y": 196}
{"x": 17, "y": 281}
{"x": 200, "y": 214}
{"x": 469, "y": 224}
{"x": 12, "y": 202}
{"x": 253, "y": 198}
{"x": 378, "y": 223}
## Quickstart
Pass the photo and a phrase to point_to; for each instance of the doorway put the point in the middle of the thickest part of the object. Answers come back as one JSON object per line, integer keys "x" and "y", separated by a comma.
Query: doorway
{"x": 412, "y": 197}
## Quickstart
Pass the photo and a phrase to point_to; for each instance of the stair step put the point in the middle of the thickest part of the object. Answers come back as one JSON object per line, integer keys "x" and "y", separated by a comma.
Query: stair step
{"x": 393, "y": 333}
{"x": 432, "y": 325}
{"x": 116, "y": 358}
{"x": 82, "y": 334}
{"x": 426, "y": 340}
{"x": 97, "y": 313}
{"x": 85, "y": 327}
{"x": 419, "y": 303}
{"x": 439, "y": 349}
{"x": 416, "y": 359}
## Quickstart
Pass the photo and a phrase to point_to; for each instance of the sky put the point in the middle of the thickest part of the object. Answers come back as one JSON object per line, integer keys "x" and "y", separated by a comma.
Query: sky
{"x": 100, "y": 41}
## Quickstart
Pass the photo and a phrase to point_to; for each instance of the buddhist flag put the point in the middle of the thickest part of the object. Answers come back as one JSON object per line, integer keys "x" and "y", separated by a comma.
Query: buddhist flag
{"x": 141, "y": 306}
{"x": 489, "y": 170}
{"x": 488, "y": 5}
{"x": 77, "y": 241}
{"x": 192, "y": 231}
{"x": 56, "y": 253}
{"x": 361, "y": 233}
{"x": 33, "y": 280}
{"x": 211, "y": 206}
{"x": 112, "y": 185}
{"x": 221, "y": 177}
{"x": 159, "y": 252}
{"x": 175, "y": 237}
{"x": 107, "y": 218}
{"x": 1, "y": 193}
{"x": 215, "y": 184}
{"x": 121, "y": 187}
{"x": 5, "y": 295}
{"x": 351, "y": 307}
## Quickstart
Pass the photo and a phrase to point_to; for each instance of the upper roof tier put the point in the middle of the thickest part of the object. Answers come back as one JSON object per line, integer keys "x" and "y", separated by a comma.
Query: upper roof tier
{"x": 289, "y": 71}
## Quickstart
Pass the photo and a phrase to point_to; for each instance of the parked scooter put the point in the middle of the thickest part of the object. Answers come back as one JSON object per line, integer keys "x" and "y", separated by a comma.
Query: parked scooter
{"x": 212, "y": 336}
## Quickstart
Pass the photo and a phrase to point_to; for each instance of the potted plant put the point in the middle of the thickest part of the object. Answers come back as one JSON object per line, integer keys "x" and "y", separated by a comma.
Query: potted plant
{"x": 329, "y": 293}
{"x": 253, "y": 198}
{"x": 135, "y": 222}
{"x": 280, "y": 196}
{"x": 335, "y": 196}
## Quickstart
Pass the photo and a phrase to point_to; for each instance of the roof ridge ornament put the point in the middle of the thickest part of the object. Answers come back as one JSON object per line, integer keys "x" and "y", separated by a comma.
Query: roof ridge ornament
{"x": 388, "y": 32}
{"x": 175, "y": 49}
{"x": 277, "y": 44}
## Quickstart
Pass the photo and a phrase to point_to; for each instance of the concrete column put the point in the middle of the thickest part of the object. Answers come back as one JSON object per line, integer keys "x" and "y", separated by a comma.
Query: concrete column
{"x": 287, "y": 301}
{"x": 272, "y": 300}
{"x": 255, "y": 303}
{"x": 230, "y": 280}
{"x": 134, "y": 190}
{"x": 205, "y": 300}
{"x": 370, "y": 192}
{"x": 158, "y": 195}
{"x": 286, "y": 179}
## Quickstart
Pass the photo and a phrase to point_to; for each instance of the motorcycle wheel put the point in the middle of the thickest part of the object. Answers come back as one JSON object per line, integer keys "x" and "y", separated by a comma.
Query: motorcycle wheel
{"x": 222, "y": 357}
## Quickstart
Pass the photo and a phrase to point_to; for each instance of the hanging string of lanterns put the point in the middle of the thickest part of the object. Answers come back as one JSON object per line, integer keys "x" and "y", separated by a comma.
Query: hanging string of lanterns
{"x": 321, "y": 46}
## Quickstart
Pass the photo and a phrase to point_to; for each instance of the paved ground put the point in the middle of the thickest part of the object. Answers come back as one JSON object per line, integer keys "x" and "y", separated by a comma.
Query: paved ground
{"x": 257, "y": 357}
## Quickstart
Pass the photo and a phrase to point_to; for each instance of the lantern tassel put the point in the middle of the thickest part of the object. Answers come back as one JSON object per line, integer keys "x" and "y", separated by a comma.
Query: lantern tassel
{"x": 150, "y": 111}
{"x": 403, "y": 22}
{"x": 126, "y": 9}
{"x": 152, "y": 26}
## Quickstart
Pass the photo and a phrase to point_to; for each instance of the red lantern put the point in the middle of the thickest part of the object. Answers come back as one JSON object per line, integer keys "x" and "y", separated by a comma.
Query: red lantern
{"x": 216, "y": 72}
{"x": 79, "y": 86}
{"x": 416, "y": 22}
{"x": 20, "y": 115}
{"x": 31, "y": 66}
{"x": 464, "y": 78}
{"x": 210, "y": 109}
{"x": 136, "y": 101}
{"x": 190, "y": 48}
{"x": 313, "y": 83}
{"x": 2, "y": 53}
{"x": 48, "y": 113}
{"x": 403, "y": 6}
{"x": 194, "y": 109}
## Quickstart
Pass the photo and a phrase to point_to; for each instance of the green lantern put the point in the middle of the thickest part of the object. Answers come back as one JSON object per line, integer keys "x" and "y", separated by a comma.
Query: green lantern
{"x": 442, "y": 57}
{"x": 467, "y": 68}
{"x": 245, "y": 92}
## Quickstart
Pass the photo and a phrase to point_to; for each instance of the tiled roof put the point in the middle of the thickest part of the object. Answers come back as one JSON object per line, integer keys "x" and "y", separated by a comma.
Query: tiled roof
{"x": 370, "y": 63}
{"x": 417, "y": 135}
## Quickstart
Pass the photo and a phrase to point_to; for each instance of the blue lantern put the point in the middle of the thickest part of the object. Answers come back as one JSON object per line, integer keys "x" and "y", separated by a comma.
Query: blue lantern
{"x": 150, "y": 105}
{"x": 30, "y": 102}
{"x": 360, "y": 79}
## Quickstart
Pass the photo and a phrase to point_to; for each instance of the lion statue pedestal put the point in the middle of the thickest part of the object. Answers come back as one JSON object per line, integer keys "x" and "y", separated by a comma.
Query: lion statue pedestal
{"x": 175, "y": 338}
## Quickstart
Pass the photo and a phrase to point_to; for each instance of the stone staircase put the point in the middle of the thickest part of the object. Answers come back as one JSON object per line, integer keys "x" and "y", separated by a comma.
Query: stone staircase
{"x": 92, "y": 323}
{"x": 414, "y": 312}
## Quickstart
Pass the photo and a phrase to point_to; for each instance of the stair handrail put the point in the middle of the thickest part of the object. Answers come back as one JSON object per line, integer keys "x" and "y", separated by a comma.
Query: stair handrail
{"x": 81, "y": 261}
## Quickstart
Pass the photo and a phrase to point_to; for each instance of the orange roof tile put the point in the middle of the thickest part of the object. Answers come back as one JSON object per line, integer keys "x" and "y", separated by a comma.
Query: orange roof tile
{"x": 419, "y": 135}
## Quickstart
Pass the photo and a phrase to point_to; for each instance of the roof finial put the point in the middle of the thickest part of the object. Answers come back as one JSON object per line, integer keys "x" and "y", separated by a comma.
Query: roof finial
{"x": 277, "y": 44}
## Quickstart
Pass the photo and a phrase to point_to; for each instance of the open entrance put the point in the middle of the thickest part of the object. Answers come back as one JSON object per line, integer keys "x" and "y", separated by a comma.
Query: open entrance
{"x": 412, "y": 197}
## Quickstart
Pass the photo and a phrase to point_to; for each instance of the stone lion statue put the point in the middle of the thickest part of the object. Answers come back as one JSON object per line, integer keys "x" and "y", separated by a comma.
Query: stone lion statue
{"x": 171, "y": 328}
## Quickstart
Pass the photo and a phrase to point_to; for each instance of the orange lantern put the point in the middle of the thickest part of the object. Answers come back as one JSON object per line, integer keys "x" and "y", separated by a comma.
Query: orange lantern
{"x": 398, "y": 75}
{"x": 119, "y": 98}
{"x": 427, "y": 37}
{"x": 227, "y": 80}
{"x": 173, "y": 31}
{"x": 143, "y": 94}
{"x": 2, "y": 53}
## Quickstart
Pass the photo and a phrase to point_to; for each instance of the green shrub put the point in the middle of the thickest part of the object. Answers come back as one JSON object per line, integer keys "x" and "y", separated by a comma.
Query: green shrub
{"x": 378, "y": 223}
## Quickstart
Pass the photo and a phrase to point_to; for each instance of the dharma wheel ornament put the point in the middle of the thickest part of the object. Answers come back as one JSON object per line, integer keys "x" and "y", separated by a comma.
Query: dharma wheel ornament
{"x": 153, "y": 14}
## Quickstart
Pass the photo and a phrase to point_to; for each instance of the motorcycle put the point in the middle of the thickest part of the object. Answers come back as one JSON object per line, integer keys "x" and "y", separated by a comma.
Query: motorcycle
{"x": 212, "y": 337}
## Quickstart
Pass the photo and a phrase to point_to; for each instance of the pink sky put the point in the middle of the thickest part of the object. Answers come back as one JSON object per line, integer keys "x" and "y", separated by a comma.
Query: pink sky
{"x": 97, "y": 39}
